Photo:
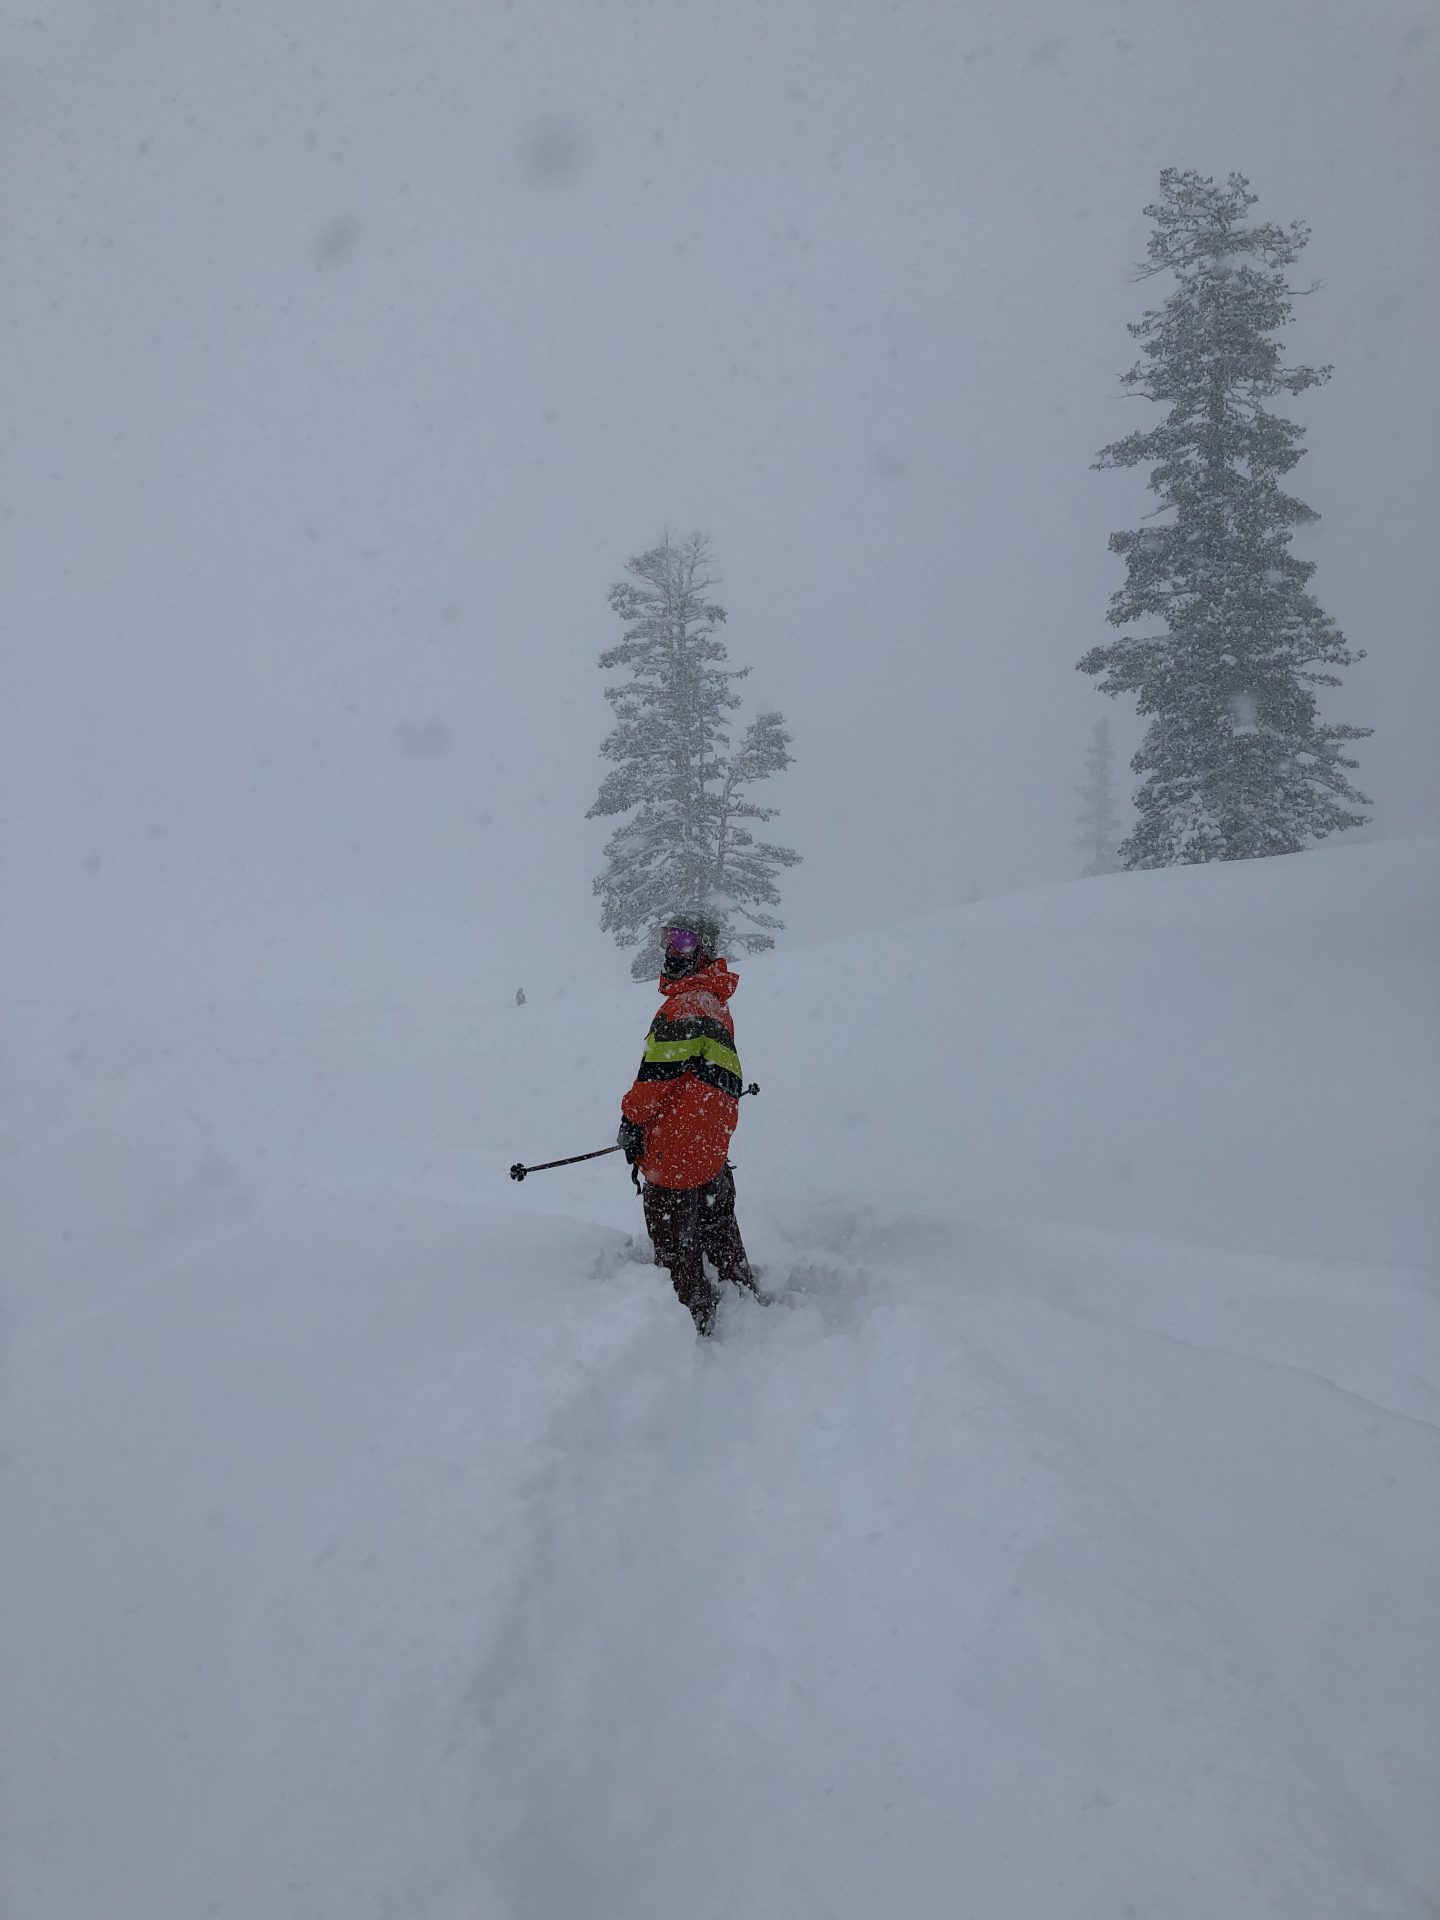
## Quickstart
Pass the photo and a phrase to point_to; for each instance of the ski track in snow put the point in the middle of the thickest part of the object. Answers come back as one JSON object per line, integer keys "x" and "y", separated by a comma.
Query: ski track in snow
{"x": 871, "y": 1605}
{"x": 714, "y": 1697}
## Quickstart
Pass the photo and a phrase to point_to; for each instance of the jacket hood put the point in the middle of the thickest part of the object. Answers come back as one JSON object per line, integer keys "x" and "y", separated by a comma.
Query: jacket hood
{"x": 716, "y": 978}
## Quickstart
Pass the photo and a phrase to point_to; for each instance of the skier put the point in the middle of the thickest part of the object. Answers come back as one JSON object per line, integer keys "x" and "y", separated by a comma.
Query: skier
{"x": 679, "y": 1116}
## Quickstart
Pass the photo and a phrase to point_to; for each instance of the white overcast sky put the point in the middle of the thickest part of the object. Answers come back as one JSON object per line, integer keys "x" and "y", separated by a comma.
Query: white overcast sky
{"x": 351, "y": 348}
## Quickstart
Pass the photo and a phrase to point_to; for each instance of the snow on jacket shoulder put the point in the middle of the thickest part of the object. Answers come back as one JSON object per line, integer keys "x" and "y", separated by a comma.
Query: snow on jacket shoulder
{"x": 686, "y": 1095}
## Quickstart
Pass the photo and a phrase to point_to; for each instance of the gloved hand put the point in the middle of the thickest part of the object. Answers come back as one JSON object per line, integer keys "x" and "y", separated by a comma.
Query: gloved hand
{"x": 631, "y": 1141}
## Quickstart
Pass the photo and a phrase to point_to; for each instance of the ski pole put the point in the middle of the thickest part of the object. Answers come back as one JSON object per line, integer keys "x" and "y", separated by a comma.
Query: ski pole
{"x": 519, "y": 1170}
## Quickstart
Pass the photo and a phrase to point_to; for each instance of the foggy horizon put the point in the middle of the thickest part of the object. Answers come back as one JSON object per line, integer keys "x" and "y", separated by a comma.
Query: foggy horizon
{"x": 351, "y": 358}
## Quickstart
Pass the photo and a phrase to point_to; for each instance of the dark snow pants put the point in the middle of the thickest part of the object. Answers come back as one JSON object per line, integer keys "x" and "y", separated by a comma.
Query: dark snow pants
{"x": 689, "y": 1225}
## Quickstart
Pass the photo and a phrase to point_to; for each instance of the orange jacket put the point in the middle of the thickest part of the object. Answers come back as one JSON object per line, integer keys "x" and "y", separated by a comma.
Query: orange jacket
{"x": 687, "y": 1093}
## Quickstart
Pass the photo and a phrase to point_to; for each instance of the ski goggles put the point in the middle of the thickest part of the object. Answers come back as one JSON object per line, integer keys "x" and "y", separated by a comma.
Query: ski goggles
{"x": 681, "y": 942}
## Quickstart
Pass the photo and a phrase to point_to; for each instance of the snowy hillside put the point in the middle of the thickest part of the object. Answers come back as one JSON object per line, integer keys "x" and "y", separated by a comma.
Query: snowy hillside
{"x": 380, "y": 1545}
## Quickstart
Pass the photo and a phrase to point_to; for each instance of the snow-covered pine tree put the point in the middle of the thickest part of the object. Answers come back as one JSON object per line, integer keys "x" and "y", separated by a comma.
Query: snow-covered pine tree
{"x": 1237, "y": 759}
{"x": 1098, "y": 820}
{"x": 684, "y": 845}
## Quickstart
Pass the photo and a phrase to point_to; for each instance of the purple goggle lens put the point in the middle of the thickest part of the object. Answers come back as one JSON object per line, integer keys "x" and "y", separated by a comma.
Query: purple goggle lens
{"x": 681, "y": 941}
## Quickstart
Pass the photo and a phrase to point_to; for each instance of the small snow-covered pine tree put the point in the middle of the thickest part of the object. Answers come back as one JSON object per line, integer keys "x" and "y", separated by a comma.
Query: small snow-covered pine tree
{"x": 1098, "y": 820}
{"x": 1237, "y": 759}
{"x": 684, "y": 845}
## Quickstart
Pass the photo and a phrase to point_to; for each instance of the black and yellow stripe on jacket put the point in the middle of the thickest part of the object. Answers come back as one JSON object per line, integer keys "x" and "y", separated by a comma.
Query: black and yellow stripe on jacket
{"x": 693, "y": 1044}
{"x": 687, "y": 1093}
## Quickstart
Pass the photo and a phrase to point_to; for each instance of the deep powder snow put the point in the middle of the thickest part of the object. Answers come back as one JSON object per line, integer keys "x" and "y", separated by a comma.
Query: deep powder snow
{"x": 382, "y": 1545}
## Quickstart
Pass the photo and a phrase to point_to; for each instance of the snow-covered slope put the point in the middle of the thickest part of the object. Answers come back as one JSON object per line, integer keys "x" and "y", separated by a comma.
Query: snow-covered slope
{"x": 379, "y": 1542}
